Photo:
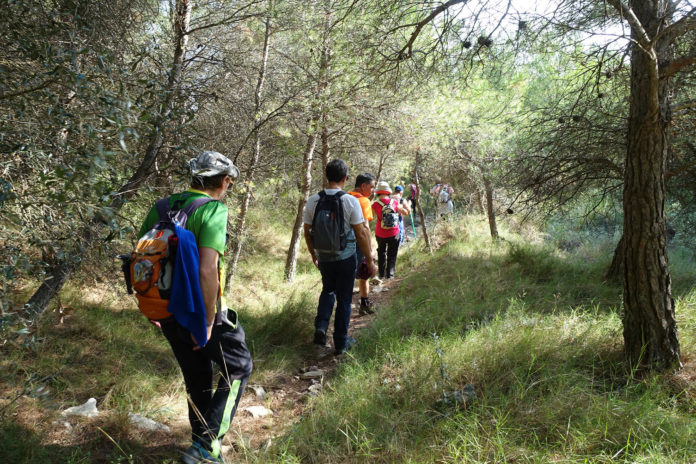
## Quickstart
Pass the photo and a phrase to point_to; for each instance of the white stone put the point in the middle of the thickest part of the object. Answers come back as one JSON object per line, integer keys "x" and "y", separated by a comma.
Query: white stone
{"x": 145, "y": 423}
{"x": 317, "y": 374}
{"x": 259, "y": 392}
{"x": 315, "y": 389}
{"x": 89, "y": 409}
{"x": 258, "y": 411}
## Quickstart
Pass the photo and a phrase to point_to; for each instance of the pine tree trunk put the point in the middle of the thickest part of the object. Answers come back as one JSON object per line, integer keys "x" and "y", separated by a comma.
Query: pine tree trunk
{"x": 240, "y": 229}
{"x": 293, "y": 250}
{"x": 416, "y": 180}
{"x": 490, "y": 210}
{"x": 158, "y": 131}
{"x": 48, "y": 289}
{"x": 317, "y": 111}
{"x": 615, "y": 271}
{"x": 650, "y": 331}
{"x": 325, "y": 150}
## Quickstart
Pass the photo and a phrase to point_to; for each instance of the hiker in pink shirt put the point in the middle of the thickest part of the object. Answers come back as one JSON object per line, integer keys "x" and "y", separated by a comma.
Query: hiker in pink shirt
{"x": 387, "y": 212}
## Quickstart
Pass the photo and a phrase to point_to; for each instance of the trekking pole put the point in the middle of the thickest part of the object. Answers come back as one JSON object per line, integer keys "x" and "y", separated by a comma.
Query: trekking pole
{"x": 413, "y": 226}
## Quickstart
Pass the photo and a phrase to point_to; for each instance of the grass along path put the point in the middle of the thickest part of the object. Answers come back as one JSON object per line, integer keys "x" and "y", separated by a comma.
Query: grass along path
{"x": 98, "y": 345}
{"x": 537, "y": 333}
{"x": 534, "y": 330}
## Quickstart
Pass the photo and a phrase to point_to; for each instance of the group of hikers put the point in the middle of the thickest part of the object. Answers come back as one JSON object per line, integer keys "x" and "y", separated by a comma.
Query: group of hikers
{"x": 332, "y": 215}
{"x": 177, "y": 273}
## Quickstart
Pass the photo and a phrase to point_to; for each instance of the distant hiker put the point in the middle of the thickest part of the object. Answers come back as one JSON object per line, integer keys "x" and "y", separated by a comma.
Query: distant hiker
{"x": 443, "y": 199}
{"x": 222, "y": 339}
{"x": 387, "y": 211}
{"x": 413, "y": 196}
{"x": 397, "y": 195}
{"x": 333, "y": 223}
{"x": 364, "y": 187}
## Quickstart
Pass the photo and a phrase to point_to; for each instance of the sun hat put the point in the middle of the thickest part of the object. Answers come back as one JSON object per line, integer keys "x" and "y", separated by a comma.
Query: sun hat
{"x": 383, "y": 188}
{"x": 212, "y": 163}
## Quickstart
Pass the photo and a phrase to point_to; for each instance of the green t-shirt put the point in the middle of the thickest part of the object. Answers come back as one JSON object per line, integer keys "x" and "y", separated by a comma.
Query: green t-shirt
{"x": 208, "y": 223}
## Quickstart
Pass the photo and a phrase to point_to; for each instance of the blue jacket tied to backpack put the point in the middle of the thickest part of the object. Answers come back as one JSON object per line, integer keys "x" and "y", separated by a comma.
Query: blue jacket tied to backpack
{"x": 186, "y": 301}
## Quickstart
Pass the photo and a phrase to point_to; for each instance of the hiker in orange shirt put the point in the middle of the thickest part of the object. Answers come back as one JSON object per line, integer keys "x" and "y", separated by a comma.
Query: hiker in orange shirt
{"x": 364, "y": 187}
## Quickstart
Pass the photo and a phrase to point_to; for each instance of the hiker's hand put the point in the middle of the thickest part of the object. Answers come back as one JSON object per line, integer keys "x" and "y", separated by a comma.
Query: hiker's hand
{"x": 195, "y": 343}
{"x": 314, "y": 260}
{"x": 371, "y": 268}
{"x": 208, "y": 334}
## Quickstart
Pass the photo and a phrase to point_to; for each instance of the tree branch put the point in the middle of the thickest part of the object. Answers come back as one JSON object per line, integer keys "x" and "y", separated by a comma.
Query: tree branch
{"x": 677, "y": 65}
{"x": 627, "y": 12}
{"x": 407, "y": 50}
{"x": 17, "y": 93}
{"x": 680, "y": 27}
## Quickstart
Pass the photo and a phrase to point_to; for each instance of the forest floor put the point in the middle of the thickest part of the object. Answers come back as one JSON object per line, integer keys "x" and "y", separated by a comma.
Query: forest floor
{"x": 109, "y": 438}
{"x": 533, "y": 329}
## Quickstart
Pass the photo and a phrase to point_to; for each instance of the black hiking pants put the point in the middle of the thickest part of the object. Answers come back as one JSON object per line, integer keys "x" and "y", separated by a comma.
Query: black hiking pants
{"x": 387, "y": 250}
{"x": 211, "y": 412}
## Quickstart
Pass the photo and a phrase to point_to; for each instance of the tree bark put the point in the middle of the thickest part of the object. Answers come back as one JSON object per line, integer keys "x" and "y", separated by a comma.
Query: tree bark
{"x": 490, "y": 210}
{"x": 325, "y": 149}
{"x": 616, "y": 270}
{"x": 650, "y": 331}
{"x": 416, "y": 180}
{"x": 293, "y": 250}
{"x": 62, "y": 270}
{"x": 479, "y": 202}
{"x": 240, "y": 228}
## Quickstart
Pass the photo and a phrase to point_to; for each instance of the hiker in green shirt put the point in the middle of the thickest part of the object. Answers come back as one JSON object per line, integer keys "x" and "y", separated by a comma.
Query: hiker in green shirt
{"x": 210, "y": 410}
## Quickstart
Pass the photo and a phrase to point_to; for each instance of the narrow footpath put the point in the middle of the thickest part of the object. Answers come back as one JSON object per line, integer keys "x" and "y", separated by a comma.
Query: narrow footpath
{"x": 289, "y": 398}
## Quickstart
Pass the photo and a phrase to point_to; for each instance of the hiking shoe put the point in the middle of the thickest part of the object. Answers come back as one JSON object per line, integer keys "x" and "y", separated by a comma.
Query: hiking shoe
{"x": 320, "y": 337}
{"x": 350, "y": 342}
{"x": 376, "y": 281}
{"x": 365, "y": 308}
{"x": 196, "y": 454}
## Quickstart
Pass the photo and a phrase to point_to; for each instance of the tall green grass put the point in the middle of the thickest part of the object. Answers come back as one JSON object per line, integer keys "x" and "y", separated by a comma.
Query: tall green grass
{"x": 533, "y": 328}
{"x": 536, "y": 332}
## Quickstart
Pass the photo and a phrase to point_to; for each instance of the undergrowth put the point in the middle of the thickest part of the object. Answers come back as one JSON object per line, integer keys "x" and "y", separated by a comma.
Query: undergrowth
{"x": 535, "y": 331}
{"x": 530, "y": 327}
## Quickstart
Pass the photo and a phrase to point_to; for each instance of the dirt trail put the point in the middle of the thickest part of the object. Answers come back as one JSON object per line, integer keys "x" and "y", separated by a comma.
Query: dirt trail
{"x": 289, "y": 397}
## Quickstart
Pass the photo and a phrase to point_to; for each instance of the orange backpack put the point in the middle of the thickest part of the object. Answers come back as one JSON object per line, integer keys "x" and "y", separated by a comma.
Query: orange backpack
{"x": 148, "y": 269}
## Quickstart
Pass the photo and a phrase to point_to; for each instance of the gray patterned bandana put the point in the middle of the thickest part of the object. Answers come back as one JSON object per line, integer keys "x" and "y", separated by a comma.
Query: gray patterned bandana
{"x": 212, "y": 163}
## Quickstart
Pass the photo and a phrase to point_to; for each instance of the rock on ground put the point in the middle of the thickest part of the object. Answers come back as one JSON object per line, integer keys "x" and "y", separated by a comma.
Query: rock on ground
{"x": 88, "y": 409}
{"x": 145, "y": 423}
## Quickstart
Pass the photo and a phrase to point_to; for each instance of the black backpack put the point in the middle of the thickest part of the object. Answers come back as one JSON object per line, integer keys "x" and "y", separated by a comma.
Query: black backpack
{"x": 329, "y": 235}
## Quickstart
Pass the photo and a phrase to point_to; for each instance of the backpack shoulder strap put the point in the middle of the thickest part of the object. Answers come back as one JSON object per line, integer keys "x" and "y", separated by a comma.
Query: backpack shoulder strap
{"x": 322, "y": 195}
{"x": 195, "y": 204}
{"x": 163, "y": 208}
